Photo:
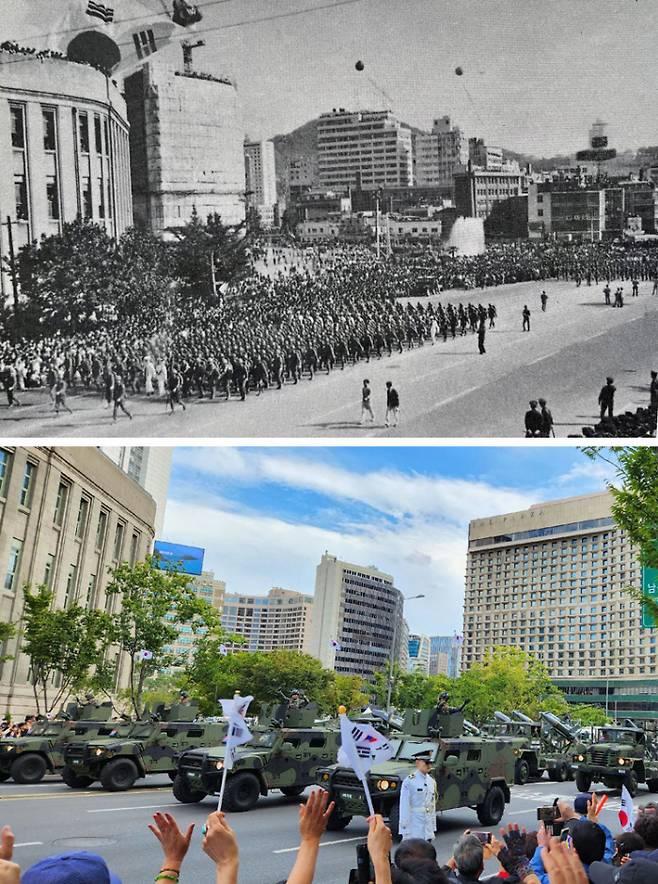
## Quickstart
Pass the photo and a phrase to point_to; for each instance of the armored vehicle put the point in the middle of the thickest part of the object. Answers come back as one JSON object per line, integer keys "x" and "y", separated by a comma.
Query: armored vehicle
{"x": 285, "y": 755}
{"x": 544, "y": 745}
{"x": 28, "y": 759}
{"x": 470, "y": 771}
{"x": 621, "y": 756}
{"x": 144, "y": 747}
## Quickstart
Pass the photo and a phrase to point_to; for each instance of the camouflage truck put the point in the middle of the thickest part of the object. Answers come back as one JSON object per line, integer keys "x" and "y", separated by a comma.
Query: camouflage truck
{"x": 470, "y": 771}
{"x": 145, "y": 747}
{"x": 544, "y": 745}
{"x": 620, "y": 756}
{"x": 28, "y": 759}
{"x": 286, "y": 754}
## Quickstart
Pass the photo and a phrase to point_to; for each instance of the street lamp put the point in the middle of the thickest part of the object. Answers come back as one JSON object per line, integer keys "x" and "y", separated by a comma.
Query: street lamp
{"x": 405, "y": 598}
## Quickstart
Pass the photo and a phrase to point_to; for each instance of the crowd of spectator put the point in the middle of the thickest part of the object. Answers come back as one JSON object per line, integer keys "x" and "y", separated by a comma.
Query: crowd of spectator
{"x": 17, "y": 728}
{"x": 584, "y": 852}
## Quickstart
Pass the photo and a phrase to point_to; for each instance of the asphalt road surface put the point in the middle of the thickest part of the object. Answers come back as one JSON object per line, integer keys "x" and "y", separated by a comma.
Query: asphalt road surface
{"x": 445, "y": 390}
{"x": 51, "y": 818}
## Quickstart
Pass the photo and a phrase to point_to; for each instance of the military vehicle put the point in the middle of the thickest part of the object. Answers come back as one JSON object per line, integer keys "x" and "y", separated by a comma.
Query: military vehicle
{"x": 470, "y": 771}
{"x": 544, "y": 745}
{"x": 286, "y": 755}
{"x": 28, "y": 759}
{"x": 145, "y": 747}
{"x": 621, "y": 756}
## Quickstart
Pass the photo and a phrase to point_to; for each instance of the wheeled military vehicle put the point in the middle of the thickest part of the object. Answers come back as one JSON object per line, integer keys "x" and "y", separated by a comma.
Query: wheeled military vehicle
{"x": 621, "y": 756}
{"x": 470, "y": 771}
{"x": 544, "y": 745}
{"x": 28, "y": 759}
{"x": 145, "y": 747}
{"x": 286, "y": 755}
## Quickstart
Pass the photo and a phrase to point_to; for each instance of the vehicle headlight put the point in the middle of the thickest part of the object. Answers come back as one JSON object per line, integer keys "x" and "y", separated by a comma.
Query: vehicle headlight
{"x": 98, "y": 751}
{"x": 383, "y": 785}
{"x": 579, "y": 757}
{"x": 10, "y": 748}
{"x": 219, "y": 765}
{"x": 326, "y": 776}
{"x": 621, "y": 761}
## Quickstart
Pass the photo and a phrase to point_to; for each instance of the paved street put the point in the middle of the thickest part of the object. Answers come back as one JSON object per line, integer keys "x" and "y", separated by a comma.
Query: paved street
{"x": 445, "y": 390}
{"x": 51, "y": 818}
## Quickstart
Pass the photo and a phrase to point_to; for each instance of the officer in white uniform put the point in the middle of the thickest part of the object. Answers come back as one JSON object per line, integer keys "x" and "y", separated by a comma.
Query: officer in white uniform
{"x": 418, "y": 801}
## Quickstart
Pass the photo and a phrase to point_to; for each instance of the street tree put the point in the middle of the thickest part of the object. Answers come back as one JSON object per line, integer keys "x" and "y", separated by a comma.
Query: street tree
{"x": 7, "y": 631}
{"x": 64, "y": 646}
{"x": 151, "y": 604}
{"x": 345, "y": 690}
{"x": 589, "y": 716}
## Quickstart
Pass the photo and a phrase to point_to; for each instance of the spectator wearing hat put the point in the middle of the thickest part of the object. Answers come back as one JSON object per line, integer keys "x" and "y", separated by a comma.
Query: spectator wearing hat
{"x": 607, "y": 398}
{"x": 589, "y": 842}
{"x": 637, "y": 871}
{"x": 65, "y": 868}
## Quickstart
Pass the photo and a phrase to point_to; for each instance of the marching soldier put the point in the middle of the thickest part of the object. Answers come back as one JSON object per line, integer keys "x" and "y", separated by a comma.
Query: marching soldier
{"x": 418, "y": 801}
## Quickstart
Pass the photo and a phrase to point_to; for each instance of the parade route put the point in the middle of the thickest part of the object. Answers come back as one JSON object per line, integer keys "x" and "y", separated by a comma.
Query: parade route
{"x": 114, "y": 825}
{"x": 446, "y": 390}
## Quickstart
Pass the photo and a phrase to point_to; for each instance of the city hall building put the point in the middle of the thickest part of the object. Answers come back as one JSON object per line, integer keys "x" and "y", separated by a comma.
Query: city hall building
{"x": 550, "y": 580}
{"x": 67, "y": 516}
{"x": 64, "y": 136}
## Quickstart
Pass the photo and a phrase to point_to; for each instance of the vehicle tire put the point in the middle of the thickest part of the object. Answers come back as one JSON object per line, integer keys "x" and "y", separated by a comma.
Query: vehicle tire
{"x": 491, "y": 811}
{"x": 172, "y": 774}
{"x": 184, "y": 794}
{"x": 72, "y": 780}
{"x": 118, "y": 775}
{"x": 292, "y": 791}
{"x": 394, "y": 821}
{"x": 28, "y": 769}
{"x": 4, "y": 776}
{"x": 583, "y": 781}
{"x": 242, "y": 792}
{"x": 631, "y": 782}
{"x": 521, "y": 772}
{"x": 652, "y": 785}
{"x": 337, "y": 823}
{"x": 561, "y": 773}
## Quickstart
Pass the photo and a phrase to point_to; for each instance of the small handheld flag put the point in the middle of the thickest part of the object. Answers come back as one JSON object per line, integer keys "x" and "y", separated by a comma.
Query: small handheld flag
{"x": 223, "y": 650}
{"x": 336, "y": 645}
{"x": 144, "y": 655}
{"x": 626, "y": 811}
{"x": 237, "y": 734}
{"x": 361, "y": 747}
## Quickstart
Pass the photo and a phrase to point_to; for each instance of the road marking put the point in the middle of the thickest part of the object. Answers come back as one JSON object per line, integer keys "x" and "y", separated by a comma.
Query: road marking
{"x": 132, "y": 807}
{"x": 27, "y": 796}
{"x": 322, "y": 844}
{"x": 29, "y": 844}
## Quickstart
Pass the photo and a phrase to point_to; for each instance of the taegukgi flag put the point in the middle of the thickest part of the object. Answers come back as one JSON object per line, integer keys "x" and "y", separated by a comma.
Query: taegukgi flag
{"x": 626, "y": 811}
{"x": 238, "y": 733}
{"x": 361, "y": 746}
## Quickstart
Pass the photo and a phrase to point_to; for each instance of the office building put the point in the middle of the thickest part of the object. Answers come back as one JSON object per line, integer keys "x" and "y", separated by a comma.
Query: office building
{"x": 150, "y": 467}
{"x": 484, "y": 156}
{"x": 186, "y": 145}
{"x": 67, "y": 516}
{"x": 260, "y": 178}
{"x": 440, "y": 155}
{"x": 281, "y": 619}
{"x": 363, "y": 149}
{"x": 445, "y": 655}
{"x": 418, "y": 658}
{"x": 302, "y": 174}
{"x": 64, "y": 146}
{"x": 210, "y": 589}
{"x": 358, "y": 623}
{"x": 478, "y": 190}
{"x": 551, "y": 580}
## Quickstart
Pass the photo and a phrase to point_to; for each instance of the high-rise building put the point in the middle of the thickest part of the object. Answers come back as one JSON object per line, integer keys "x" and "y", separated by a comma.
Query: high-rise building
{"x": 210, "y": 589}
{"x": 440, "y": 155}
{"x": 478, "y": 190}
{"x": 445, "y": 654}
{"x": 281, "y": 619}
{"x": 150, "y": 466}
{"x": 551, "y": 580}
{"x": 186, "y": 137}
{"x": 67, "y": 515}
{"x": 260, "y": 178}
{"x": 358, "y": 622}
{"x": 363, "y": 149}
{"x": 419, "y": 653}
{"x": 64, "y": 146}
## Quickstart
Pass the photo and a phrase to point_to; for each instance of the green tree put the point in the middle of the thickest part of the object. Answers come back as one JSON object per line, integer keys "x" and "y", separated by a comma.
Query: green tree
{"x": 63, "y": 646}
{"x": 635, "y": 504}
{"x": 212, "y": 676}
{"x": 345, "y": 690}
{"x": 144, "y": 274}
{"x": 589, "y": 716}
{"x": 152, "y": 603}
{"x": 7, "y": 631}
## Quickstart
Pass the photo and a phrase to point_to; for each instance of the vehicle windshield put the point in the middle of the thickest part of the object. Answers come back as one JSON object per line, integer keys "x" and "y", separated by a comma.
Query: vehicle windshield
{"x": 264, "y": 741}
{"x": 143, "y": 730}
{"x": 613, "y": 735}
{"x": 410, "y": 748}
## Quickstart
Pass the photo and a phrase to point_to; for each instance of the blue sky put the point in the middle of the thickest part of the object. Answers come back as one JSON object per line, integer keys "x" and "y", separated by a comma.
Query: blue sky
{"x": 266, "y": 515}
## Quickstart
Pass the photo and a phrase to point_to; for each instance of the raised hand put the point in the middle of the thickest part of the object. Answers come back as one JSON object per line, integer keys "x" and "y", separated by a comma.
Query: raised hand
{"x": 174, "y": 843}
{"x": 562, "y": 864}
{"x": 314, "y": 815}
{"x": 219, "y": 841}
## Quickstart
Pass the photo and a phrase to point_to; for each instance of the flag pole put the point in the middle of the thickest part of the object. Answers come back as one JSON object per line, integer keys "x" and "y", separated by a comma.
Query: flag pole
{"x": 221, "y": 789}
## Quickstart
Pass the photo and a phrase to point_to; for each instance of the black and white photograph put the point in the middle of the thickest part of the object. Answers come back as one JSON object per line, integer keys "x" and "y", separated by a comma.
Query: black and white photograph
{"x": 358, "y": 218}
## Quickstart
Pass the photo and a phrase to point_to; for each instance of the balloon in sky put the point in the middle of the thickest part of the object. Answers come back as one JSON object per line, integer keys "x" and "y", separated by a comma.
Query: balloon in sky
{"x": 459, "y": 71}
{"x": 359, "y": 65}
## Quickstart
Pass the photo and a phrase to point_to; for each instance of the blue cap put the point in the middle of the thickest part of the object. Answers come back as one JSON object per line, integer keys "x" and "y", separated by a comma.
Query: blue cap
{"x": 70, "y": 868}
{"x": 581, "y": 801}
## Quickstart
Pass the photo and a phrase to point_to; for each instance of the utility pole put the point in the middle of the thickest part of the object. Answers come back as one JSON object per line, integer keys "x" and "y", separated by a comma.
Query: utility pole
{"x": 391, "y": 665}
{"x": 12, "y": 269}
